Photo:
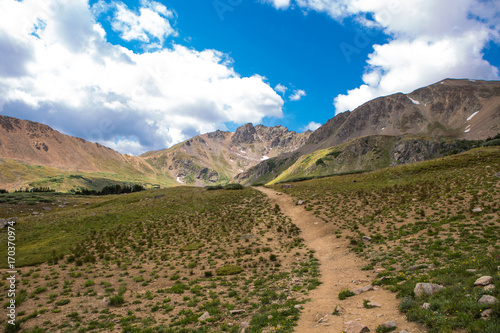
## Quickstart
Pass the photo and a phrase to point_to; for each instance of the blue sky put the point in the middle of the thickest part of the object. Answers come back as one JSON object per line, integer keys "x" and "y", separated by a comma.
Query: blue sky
{"x": 144, "y": 75}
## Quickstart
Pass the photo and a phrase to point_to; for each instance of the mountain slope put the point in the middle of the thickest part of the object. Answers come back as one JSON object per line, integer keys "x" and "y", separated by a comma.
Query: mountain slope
{"x": 459, "y": 109}
{"x": 218, "y": 156}
{"x": 25, "y": 144}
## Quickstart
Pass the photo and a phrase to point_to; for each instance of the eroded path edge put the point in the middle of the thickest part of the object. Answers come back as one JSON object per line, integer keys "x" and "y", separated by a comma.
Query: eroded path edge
{"x": 340, "y": 269}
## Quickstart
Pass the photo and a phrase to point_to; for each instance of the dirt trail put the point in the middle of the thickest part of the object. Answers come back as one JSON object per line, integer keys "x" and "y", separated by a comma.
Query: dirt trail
{"x": 340, "y": 269}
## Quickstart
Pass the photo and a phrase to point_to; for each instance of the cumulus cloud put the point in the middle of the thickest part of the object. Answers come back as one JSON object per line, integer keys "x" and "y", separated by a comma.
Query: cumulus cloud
{"x": 312, "y": 126}
{"x": 429, "y": 41}
{"x": 86, "y": 87}
{"x": 150, "y": 24}
{"x": 297, "y": 95}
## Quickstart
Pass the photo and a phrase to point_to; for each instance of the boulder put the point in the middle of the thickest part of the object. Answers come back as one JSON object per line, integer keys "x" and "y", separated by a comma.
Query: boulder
{"x": 300, "y": 202}
{"x": 484, "y": 281}
{"x": 477, "y": 210}
{"x": 366, "y": 239}
{"x": 355, "y": 327}
{"x": 363, "y": 290}
{"x": 489, "y": 287}
{"x": 204, "y": 316}
{"x": 236, "y": 311}
{"x": 389, "y": 324}
{"x": 426, "y": 288}
{"x": 488, "y": 300}
{"x": 374, "y": 304}
{"x": 426, "y": 306}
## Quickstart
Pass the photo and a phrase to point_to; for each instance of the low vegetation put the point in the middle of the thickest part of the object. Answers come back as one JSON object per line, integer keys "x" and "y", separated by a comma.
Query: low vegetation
{"x": 156, "y": 261}
{"x": 436, "y": 221}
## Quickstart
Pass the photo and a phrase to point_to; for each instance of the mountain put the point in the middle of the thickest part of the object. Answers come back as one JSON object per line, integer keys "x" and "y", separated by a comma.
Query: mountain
{"x": 217, "y": 157}
{"x": 33, "y": 153}
{"x": 450, "y": 109}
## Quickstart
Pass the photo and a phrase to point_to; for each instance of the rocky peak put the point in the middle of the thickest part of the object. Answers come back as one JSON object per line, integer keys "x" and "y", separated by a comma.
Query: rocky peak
{"x": 244, "y": 134}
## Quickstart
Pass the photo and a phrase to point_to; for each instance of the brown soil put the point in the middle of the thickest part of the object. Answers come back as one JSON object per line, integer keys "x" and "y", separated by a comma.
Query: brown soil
{"x": 340, "y": 269}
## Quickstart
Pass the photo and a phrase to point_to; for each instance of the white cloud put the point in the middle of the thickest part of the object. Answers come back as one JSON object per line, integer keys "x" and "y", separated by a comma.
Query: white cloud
{"x": 279, "y": 4}
{"x": 297, "y": 95}
{"x": 150, "y": 24}
{"x": 312, "y": 126}
{"x": 107, "y": 93}
{"x": 430, "y": 40}
{"x": 281, "y": 88}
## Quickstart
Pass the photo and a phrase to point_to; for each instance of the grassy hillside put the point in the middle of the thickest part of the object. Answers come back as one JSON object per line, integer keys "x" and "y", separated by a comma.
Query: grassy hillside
{"x": 156, "y": 261}
{"x": 15, "y": 175}
{"x": 369, "y": 153}
{"x": 436, "y": 221}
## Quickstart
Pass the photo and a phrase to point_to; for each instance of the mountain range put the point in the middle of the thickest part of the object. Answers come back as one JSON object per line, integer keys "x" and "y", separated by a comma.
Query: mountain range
{"x": 430, "y": 122}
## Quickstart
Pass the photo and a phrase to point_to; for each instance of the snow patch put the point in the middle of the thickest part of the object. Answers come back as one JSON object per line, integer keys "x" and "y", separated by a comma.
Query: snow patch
{"x": 472, "y": 80}
{"x": 472, "y": 115}
{"x": 179, "y": 180}
{"x": 467, "y": 129}
{"x": 383, "y": 128}
{"x": 243, "y": 152}
{"x": 414, "y": 101}
{"x": 264, "y": 158}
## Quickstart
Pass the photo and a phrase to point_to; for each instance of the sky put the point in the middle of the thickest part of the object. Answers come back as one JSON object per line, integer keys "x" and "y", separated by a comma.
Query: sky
{"x": 142, "y": 75}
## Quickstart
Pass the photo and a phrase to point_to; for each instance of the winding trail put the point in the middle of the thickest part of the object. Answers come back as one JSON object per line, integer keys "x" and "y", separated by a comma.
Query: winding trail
{"x": 340, "y": 268}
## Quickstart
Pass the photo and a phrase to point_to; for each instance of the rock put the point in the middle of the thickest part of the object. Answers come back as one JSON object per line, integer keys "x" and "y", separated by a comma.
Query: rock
{"x": 484, "y": 281}
{"x": 355, "y": 327}
{"x": 366, "y": 239}
{"x": 66, "y": 203}
{"x": 298, "y": 306}
{"x": 87, "y": 203}
{"x": 497, "y": 175}
{"x": 47, "y": 208}
{"x": 415, "y": 267}
{"x": 486, "y": 313}
{"x": 204, "y": 316}
{"x": 487, "y": 299}
{"x": 62, "y": 206}
{"x": 470, "y": 270}
{"x": 374, "y": 304}
{"x": 245, "y": 324}
{"x": 35, "y": 213}
{"x": 489, "y": 287}
{"x": 404, "y": 331}
{"x": 363, "y": 290}
{"x": 426, "y": 288}
{"x": 300, "y": 202}
{"x": 426, "y": 306}
{"x": 477, "y": 210}
{"x": 236, "y": 311}
{"x": 105, "y": 300}
{"x": 389, "y": 324}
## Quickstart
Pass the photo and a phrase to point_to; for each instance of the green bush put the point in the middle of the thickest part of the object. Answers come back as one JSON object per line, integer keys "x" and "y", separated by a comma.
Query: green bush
{"x": 229, "y": 270}
{"x": 116, "y": 300}
{"x": 345, "y": 293}
{"x": 192, "y": 247}
{"x": 234, "y": 187}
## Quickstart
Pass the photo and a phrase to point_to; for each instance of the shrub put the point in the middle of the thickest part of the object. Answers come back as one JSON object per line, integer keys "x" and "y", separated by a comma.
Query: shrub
{"x": 234, "y": 187}
{"x": 229, "y": 270}
{"x": 62, "y": 302}
{"x": 116, "y": 300}
{"x": 192, "y": 247}
{"x": 345, "y": 293}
